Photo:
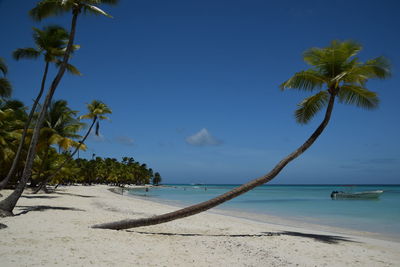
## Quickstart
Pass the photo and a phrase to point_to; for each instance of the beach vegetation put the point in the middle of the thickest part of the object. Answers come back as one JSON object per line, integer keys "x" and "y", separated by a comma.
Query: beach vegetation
{"x": 45, "y": 9}
{"x": 50, "y": 43}
{"x": 157, "y": 179}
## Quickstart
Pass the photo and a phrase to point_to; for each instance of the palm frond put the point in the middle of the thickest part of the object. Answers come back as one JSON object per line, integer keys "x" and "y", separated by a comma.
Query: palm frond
{"x": 28, "y": 52}
{"x": 95, "y": 10}
{"x": 70, "y": 68}
{"x": 86, "y": 116}
{"x": 332, "y": 60}
{"x": 310, "y": 106}
{"x": 73, "y": 70}
{"x": 3, "y": 66}
{"x": 5, "y": 88}
{"x": 359, "y": 96}
{"x": 98, "y": 2}
{"x": 47, "y": 8}
{"x": 377, "y": 68}
{"x": 308, "y": 80}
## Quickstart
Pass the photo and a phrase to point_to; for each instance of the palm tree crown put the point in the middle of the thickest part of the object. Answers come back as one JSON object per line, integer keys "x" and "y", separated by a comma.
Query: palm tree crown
{"x": 97, "y": 109}
{"x": 47, "y": 8}
{"x": 336, "y": 71}
{"x": 61, "y": 125}
{"x": 50, "y": 42}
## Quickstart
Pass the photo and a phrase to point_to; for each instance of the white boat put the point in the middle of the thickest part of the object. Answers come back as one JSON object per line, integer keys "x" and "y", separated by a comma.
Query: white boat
{"x": 356, "y": 195}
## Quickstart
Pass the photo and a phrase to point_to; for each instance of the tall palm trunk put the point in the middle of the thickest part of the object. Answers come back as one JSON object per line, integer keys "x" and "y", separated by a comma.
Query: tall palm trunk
{"x": 70, "y": 157}
{"x": 192, "y": 210}
{"x": 28, "y": 122}
{"x": 8, "y": 204}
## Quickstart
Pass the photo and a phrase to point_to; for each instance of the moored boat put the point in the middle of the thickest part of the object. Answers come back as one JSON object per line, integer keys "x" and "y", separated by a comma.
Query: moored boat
{"x": 356, "y": 195}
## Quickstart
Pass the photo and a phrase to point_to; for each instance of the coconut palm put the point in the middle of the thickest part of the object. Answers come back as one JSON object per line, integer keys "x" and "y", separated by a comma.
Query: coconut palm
{"x": 335, "y": 72}
{"x": 157, "y": 179}
{"x": 12, "y": 118}
{"x": 60, "y": 128}
{"x": 5, "y": 85}
{"x": 50, "y": 43}
{"x": 44, "y": 9}
{"x": 97, "y": 109}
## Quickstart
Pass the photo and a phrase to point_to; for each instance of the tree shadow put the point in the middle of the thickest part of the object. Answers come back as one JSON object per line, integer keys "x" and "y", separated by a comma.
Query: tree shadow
{"x": 76, "y": 195}
{"x": 39, "y": 196}
{"x": 221, "y": 235}
{"x": 2, "y": 226}
{"x": 26, "y": 209}
{"x": 329, "y": 239}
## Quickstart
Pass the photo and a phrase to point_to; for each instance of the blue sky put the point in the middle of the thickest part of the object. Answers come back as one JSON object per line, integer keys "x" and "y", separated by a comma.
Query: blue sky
{"x": 193, "y": 86}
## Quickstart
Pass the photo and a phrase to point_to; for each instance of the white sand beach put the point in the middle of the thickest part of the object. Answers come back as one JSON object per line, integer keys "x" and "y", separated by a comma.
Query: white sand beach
{"x": 54, "y": 230}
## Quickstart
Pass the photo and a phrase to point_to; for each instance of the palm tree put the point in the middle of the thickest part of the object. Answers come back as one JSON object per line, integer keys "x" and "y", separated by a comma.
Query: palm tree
{"x": 44, "y": 9}
{"x": 5, "y": 85}
{"x": 60, "y": 128}
{"x": 335, "y": 73}
{"x": 50, "y": 42}
{"x": 12, "y": 118}
{"x": 97, "y": 109}
{"x": 156, "y": 179}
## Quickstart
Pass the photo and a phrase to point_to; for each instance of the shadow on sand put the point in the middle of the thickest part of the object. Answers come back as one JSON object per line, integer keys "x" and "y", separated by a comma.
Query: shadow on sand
{"x": 2, "y": 226}
{"x": 38, "y": 196}
{"x": 183, "y": 234}
{"x": 69, "y": 194}
{"x": 26, "y": 209}
{"x": 330, "y": 239}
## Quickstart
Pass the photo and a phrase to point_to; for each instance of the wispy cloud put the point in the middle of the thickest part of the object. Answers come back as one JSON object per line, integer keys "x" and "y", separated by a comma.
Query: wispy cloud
{"x": 124, "y": 140}
{"x": 96, "y": 138}
{"x": 203, "y": 138}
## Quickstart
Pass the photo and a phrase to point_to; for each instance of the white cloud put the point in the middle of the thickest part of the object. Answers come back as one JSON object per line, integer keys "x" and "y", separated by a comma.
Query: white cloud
{"x": 124, "y": 140}
{"x": 203, "y": 138}
{"x": 96, "y": 138}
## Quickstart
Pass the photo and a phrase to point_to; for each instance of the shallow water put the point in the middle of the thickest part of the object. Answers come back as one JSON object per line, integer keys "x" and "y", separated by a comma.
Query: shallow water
{"x": 306, "y": 203}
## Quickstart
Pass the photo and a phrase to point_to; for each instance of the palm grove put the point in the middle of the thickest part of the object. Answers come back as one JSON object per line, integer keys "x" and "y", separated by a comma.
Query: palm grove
{"x": 336, "y": 75}
{"x": 39, "y": 147}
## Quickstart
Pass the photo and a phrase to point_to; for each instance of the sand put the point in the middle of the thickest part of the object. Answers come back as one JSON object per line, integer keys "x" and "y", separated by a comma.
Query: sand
{"x": 54, "y": 230}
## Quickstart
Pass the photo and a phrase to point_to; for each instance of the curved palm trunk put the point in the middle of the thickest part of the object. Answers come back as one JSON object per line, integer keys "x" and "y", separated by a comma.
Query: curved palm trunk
{"x": 192, "y": 210}
{"x": 11, "y": 172}
{"x": 8, "y": 204}
{"x": 43, "y": 184}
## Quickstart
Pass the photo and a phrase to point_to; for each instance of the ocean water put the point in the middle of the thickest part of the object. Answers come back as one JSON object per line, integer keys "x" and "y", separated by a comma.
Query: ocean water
{"x": 303, "y": 203}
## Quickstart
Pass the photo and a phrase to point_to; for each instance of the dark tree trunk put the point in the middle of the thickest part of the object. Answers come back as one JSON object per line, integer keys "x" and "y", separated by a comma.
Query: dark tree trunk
{"x": 70, "y": 157}
{"x": 8, "y": 204}
{"x": 195, "y": 209}
{"x": 11, "y": 172}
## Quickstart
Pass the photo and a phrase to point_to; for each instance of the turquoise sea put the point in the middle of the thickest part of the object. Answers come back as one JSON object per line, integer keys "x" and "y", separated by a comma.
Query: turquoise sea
{"x": 297, "y": 203}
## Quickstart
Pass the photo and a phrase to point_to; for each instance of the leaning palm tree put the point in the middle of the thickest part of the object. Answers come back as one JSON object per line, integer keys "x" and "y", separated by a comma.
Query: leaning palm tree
{"x": 335, "y": 73}
{"x": 51, "y": 43}
{"x": 5, "y": 85}
{"x": 44, "y": 9}
{"x": 97, "y": 109}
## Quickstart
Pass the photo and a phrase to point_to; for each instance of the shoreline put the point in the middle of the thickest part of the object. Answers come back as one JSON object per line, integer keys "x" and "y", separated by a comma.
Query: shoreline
{"x": 54, "y": 228}
{"x": 297, "y": 222}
